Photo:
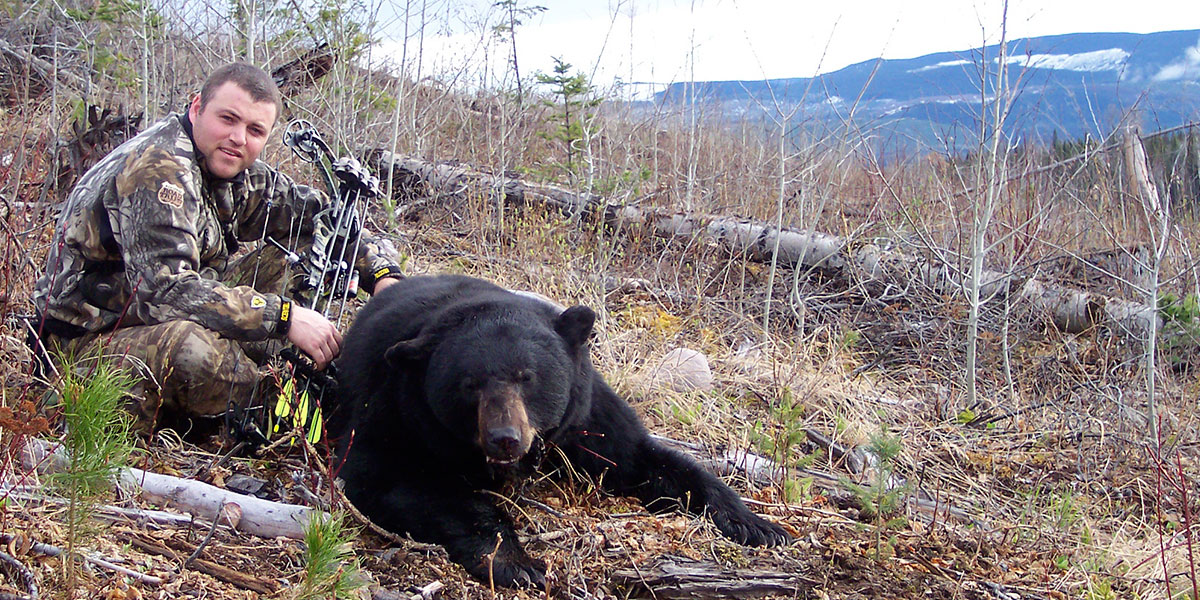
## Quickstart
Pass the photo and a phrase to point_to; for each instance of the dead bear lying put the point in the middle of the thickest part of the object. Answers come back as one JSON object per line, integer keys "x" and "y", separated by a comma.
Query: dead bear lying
{"x": 450, "y": 384}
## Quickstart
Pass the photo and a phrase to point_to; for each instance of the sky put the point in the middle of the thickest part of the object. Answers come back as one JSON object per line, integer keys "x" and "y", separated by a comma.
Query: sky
{"x": 665, "y": 41}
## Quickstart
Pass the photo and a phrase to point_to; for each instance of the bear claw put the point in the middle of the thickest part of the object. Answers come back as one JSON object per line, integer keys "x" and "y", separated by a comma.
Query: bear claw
{"x": 752, "y": 530}
{"x": 511, "y": 574}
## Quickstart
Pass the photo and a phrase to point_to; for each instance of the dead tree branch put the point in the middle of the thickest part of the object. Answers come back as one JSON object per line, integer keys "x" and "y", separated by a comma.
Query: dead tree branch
{"x": 862, "y": 263}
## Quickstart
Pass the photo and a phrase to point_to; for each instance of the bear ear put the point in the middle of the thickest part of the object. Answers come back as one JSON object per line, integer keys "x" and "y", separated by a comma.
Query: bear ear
{"x": 575, "y": 325}
{"x": 408, "y": 350}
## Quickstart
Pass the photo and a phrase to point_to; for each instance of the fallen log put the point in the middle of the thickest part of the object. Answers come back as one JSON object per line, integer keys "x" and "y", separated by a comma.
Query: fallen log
{"x": 305, "y": 70}
{"x": 1071, "y": 310}
{"x": 762, "y": 471}
{"x": 107, "y": 512}
{"x": 262, "y": 518}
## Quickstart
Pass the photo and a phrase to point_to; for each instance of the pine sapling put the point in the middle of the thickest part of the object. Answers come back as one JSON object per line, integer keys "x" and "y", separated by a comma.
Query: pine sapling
{"x": 97, "y": 440}
{"x": 331, "y": 570}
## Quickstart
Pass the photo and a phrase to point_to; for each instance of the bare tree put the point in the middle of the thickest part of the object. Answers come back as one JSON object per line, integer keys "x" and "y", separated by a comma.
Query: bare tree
{"x": 990, "y": 167}
{"x": 1158, "y": 224}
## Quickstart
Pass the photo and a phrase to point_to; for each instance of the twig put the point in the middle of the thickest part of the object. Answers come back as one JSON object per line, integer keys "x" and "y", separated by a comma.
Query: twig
{"x": 854, "y": 461}
{"x": 203, "y": 543}
{"x": 984, "y": 420}
{"x": 549, "y": 536}
{"x": 40, "y": 348}
{"x": 797, "y": 508}
{"x": 220, "y": 460}
{"x": 50, "y": 550}
{"x": 19, "y": 573}
{"x": 541, "y": 506}
{"x": 291, "y": 435}
{"x": 345, "y": 503}
{"x": 641, "y": 577}
{"x": 1083, "y": 156}
{"x": 142, "y": 577}
{"x": 43, "y": 68}
{"x": 221, "y": 572}
{"x": 1187, "y": 525}
{"x": 491, "y": 563}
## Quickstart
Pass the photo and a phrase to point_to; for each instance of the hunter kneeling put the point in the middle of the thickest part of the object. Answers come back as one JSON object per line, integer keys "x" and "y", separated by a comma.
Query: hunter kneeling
{"x": 142, "y": 263}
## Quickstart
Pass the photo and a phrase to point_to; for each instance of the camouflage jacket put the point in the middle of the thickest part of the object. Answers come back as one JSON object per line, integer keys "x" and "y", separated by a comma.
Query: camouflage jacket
{"x": 146, "y": 236}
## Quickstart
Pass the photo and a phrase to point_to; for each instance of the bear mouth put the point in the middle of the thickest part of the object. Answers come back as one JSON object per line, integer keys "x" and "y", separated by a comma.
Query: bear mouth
{"x": 534, "y": 455}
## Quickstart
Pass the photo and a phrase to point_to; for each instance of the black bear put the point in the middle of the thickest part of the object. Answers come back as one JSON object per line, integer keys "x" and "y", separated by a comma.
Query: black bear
{"x": 450, "y": 385}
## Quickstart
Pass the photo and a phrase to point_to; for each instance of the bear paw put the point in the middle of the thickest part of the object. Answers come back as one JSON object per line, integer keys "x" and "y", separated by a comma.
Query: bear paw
{"x": 749, "y": 529}
{"x": 512, "y": 569}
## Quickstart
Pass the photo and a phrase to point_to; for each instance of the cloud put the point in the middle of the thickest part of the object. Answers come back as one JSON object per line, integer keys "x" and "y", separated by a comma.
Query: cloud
{"x": 1187, "y": 67}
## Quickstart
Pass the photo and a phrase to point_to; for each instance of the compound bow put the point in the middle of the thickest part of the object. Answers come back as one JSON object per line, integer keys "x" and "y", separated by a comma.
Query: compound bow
{"x": 327, "y": 278}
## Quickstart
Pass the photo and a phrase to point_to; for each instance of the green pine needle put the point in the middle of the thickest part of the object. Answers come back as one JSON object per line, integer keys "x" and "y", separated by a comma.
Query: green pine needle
{"x": 331, "y": 570}
{"x": 97, "y": 438}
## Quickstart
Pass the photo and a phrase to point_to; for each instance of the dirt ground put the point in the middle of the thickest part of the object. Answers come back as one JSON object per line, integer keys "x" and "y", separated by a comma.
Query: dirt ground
{"x": 596, "y": 546}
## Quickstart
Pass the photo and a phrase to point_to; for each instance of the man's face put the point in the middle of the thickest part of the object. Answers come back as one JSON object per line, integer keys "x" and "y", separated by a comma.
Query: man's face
{"x": 231, "y": 130}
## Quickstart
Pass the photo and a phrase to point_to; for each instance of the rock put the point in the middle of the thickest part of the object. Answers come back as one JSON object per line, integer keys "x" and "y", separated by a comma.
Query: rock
{"x": 684, "y": 370}
{"x": 245, "y": 484}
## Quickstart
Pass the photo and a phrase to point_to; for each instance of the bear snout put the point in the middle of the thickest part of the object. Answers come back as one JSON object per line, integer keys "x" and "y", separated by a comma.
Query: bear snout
{"x": 503, "y": 443}
{"x": 505, "y": 434}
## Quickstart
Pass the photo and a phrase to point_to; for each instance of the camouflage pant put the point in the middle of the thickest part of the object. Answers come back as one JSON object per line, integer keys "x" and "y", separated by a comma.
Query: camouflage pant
{"x": 184, "y": 369}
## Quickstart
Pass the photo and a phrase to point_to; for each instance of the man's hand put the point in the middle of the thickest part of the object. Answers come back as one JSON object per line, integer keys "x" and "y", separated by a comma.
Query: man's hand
{"x": 314, "y": 335}
{"x": 383, "y": 283}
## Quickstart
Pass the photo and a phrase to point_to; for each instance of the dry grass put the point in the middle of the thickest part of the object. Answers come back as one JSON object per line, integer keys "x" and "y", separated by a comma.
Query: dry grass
{"x": 1057, "y": 496}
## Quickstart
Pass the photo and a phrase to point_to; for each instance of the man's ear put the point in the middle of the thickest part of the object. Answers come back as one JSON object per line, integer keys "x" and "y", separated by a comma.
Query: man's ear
{"x": 194, "y": 108}
{"x": 575, "y": 325}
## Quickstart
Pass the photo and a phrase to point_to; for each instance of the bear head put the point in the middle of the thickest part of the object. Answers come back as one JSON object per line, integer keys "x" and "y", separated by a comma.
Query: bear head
{"x": 499, "y": 375}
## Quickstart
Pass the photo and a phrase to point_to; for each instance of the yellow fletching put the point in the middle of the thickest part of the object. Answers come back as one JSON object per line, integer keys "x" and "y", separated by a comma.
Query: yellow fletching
{"x": 300, "y": 416}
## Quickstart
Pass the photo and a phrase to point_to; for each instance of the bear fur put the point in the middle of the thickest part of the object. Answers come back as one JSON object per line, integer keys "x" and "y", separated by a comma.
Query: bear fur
{"x": 451, "y": 384}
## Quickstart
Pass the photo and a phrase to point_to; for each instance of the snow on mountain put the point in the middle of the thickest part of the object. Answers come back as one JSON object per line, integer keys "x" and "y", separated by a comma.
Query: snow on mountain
{"x": 941, "y": 65}
{"x": 1111, "y": 59}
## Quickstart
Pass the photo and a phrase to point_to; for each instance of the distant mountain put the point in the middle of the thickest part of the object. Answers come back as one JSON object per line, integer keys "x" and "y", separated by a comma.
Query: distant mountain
{"x": 1069, "y": 86}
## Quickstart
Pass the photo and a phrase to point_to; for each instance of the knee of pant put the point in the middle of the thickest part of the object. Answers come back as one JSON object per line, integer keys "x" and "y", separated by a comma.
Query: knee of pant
{"x": 197, "y": 353}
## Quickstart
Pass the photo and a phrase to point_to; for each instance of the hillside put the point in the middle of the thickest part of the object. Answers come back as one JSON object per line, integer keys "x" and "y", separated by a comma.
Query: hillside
{"x": 846, "y": 403}
{"x": 1062, "y": 87}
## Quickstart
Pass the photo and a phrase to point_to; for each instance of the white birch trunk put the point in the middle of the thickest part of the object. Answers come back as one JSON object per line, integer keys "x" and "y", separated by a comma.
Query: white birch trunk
{"x": 262, "y": 518}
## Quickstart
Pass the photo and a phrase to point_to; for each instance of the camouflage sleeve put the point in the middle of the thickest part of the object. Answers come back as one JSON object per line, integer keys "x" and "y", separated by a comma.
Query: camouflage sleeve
{"x": 287, "y": 210}
{"x": 157, "y": 207}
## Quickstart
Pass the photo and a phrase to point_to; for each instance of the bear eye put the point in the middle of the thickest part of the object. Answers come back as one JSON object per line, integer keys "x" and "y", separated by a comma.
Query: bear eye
{"x": 470, "y": 384}
{"x": 524, "y": 376}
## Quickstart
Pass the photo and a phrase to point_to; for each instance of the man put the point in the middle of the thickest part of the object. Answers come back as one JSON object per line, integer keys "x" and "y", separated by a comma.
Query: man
{"x": 146, "y": 238}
